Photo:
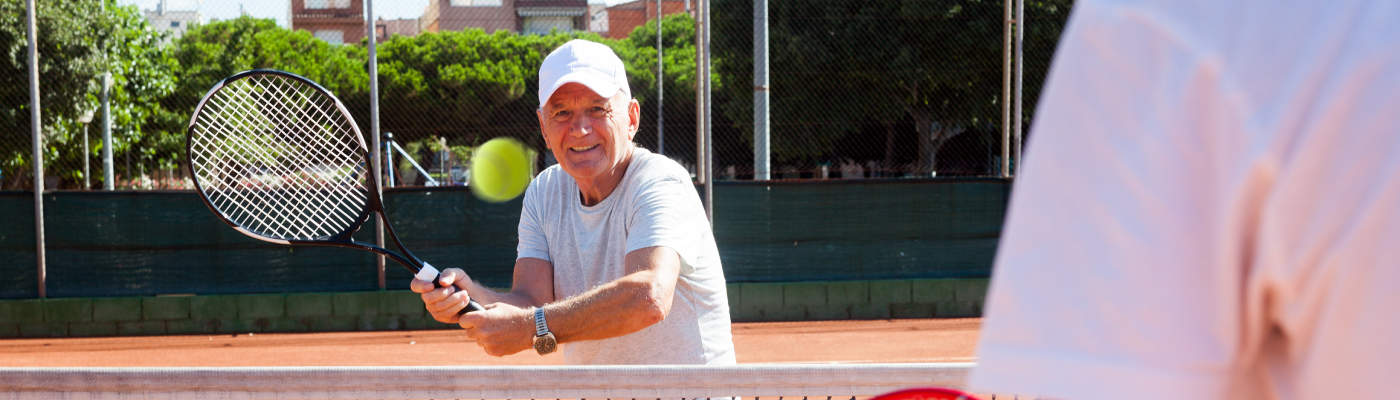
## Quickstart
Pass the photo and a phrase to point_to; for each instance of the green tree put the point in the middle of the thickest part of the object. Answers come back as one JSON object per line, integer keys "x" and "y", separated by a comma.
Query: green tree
{"x": 467, "y": 86}
{"x": 638, "y": 51}
{"x": 461, "y": 79}
{"x": 79, "y": 40}
{"x": 145, "y": 131}
{"x": 838, "y": 64}
{"x": 211, "y": 52}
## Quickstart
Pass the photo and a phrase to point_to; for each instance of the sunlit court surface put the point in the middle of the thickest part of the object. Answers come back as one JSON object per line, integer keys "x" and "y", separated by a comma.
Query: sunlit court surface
{"x": 873, "y": 341}
{"x": 836, "y": 359}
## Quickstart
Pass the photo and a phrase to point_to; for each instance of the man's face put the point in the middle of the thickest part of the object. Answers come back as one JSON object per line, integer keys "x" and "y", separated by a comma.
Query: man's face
{"x": 590, "y": 135}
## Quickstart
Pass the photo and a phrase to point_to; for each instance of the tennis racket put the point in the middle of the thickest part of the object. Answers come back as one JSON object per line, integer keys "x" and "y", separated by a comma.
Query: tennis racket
{"x": 278, "y": 158}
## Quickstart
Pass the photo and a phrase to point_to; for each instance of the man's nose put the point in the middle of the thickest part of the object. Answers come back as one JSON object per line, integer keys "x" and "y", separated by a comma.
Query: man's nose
{"x": 581, "y": 126}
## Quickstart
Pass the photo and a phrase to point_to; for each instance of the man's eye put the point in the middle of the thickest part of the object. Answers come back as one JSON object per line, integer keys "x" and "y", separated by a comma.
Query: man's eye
{"x": 597, "y": 112}
{"x": 561, "y": 115}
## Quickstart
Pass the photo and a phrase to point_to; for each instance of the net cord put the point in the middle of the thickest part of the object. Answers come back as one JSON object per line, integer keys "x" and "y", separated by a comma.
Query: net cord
{"x": 509, "y": 382}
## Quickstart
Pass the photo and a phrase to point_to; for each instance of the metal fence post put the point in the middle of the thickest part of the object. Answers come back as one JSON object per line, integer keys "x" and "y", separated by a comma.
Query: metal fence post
{"x": 1006, "y": 89}
{"x": 36, "y": 129}
{"x": 709, "y": 148}
{"x": 660, "y": 84}
{"x": 702, "y": 72}
{"x": 1020, "y": 32}
{"x": 760, "y": 91}
{"x": 109, "y": 180}
{"x": 374, "y": 132}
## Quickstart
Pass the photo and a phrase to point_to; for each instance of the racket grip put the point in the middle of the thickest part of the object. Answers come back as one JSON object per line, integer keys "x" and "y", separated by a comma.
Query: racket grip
{"x": 430, "y": 274}
{"x": 472, "y": 305}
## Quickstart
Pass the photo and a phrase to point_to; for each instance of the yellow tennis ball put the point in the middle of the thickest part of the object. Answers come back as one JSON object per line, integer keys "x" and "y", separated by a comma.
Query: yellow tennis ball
{"x": 500, "y": 170}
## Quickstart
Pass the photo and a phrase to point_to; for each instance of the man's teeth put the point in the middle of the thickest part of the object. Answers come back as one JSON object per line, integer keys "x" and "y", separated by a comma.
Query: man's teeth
{"x": 587, "y": 148}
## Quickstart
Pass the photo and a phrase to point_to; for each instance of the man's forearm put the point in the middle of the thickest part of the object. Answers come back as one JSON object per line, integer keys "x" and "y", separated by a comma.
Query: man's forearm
{"x": 617, "y": 308}
{"x": 486, "y": 295}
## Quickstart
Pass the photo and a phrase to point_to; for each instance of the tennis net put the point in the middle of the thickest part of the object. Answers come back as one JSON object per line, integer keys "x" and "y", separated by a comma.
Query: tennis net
{"x": 754, "y": 381}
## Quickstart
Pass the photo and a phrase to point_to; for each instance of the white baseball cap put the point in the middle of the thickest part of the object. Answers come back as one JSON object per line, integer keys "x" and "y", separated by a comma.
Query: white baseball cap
{"x": 588, "y": 63}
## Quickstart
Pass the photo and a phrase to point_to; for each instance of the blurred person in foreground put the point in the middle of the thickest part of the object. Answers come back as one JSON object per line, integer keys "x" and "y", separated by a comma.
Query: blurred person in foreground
{"x": 1209, "y": 209}
{"x": 616, "y": 259}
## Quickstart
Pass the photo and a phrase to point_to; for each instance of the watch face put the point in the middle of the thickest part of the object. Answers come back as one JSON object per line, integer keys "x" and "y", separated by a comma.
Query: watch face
{"x": 545, "y": 344}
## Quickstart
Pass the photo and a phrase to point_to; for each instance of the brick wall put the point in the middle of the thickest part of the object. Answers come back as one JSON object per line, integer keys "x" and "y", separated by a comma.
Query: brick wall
{"x": 350, "y": 21}
{"x": 489, "y": 18}
{"x": 626, "y": 17}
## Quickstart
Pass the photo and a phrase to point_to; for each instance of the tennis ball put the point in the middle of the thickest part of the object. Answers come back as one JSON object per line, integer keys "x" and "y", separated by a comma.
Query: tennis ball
{"x": 500, "y": 170}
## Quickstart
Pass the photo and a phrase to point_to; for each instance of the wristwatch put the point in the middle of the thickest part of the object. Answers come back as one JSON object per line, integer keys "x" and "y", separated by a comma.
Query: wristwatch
{"x": 544, "y": 339}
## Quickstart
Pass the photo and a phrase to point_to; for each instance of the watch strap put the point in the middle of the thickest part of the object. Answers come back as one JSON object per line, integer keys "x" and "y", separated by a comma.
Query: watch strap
{"x": 541, "y": 328}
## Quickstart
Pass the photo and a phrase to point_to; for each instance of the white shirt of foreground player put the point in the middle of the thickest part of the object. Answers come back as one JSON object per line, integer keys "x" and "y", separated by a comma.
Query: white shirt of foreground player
{"x": 1209, "y": 209}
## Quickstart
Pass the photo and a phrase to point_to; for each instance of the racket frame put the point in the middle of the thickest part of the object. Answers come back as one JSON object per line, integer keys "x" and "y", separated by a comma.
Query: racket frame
{"x": 374, "y": 199}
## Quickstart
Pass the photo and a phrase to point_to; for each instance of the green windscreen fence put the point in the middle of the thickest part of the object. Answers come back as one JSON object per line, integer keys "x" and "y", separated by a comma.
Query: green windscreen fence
{"x": 149, "y": 243}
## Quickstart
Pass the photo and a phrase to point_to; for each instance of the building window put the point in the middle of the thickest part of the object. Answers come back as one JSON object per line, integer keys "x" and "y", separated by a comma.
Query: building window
{"x": 330, "y": 36}
{"x": 476, "y": 3}
{"x": 542, "y": 25}
{"x": 326, "y": 4}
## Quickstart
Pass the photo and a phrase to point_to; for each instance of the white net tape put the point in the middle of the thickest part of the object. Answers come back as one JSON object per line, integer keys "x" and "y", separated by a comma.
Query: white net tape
{"x": 796, "y": 381}
{"x": 278, "y": 158}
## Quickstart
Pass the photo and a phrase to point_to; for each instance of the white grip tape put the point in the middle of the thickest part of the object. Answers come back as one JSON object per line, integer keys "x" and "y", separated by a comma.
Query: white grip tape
{"x": 428, "y": 273}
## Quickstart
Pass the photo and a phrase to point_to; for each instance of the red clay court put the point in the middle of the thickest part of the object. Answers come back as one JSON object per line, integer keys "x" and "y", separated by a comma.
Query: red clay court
{"x": 870, "y": 341}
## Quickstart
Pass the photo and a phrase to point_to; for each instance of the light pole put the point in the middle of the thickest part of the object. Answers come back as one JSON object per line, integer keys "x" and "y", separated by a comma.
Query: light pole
{"x": 87, "y": 150}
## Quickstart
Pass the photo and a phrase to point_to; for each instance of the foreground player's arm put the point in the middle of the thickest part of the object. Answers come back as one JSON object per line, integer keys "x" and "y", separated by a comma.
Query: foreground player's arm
{"x": 640, "y": 298}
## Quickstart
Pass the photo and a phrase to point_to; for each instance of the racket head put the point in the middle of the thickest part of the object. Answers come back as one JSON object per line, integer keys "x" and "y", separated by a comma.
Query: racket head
{"x": 279, "y": 158}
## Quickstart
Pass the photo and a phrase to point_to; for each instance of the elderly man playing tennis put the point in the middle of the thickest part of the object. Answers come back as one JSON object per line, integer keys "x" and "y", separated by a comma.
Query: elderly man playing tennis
{"x": 616, "y": 260}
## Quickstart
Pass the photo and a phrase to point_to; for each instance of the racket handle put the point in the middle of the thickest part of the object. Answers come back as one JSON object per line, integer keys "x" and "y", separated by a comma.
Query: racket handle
{"x": 430, "y": 274}
{"x": 472, "y": 305}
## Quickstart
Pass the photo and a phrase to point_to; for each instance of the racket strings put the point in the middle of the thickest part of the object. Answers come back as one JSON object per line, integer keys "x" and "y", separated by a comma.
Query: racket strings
{"x": 303, "y": 199}
{"x": 279, "y": 158}
{"x": 242, "y": 143}
{"x": 308, "y": 136}
{"x": 299, "y": 199}
{"x": 279, "y": 222}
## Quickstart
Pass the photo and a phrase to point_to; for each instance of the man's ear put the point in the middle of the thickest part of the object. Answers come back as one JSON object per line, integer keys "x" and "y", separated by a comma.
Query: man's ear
{"x": 634, "y": 118}
{"x": 539, "y": 116}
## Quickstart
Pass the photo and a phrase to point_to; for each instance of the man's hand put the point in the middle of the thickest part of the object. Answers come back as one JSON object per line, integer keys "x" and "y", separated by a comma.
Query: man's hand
{"x": 501, "y": 329}
{"x": 444, "y": 303}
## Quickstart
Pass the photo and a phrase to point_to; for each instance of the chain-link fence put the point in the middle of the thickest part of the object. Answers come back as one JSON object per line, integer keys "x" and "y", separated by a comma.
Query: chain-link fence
{"x": 857, "y": 90}
{"x": 901, "y": 88}
{"x": 106, "y": 79}
{"x": 907, "y": 88}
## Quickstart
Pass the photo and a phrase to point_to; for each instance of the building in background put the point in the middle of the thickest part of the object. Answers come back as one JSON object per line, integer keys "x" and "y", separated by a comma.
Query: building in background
{"x": 334, "y": 21}
{"x": 623, "y": 18}
{"x": 520, "y": 16}
{"x": 598, "y": 19}
{"x": 542, "y": 16}
{"x": 385, "y": 28}
{"x": 174, "y": 22}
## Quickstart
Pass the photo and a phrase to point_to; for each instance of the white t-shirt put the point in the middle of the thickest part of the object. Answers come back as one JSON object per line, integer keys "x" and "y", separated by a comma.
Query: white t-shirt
{"x": 654, "y": 205}
{"x": 1209, "y": 209}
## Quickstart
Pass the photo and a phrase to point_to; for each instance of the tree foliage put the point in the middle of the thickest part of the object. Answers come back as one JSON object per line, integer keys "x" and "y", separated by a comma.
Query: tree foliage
{"x": 475, "y": 85}
{"x": 839, "y": 67}
{"x": 78, "y": 41}
{"x": 638, "y": 50}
